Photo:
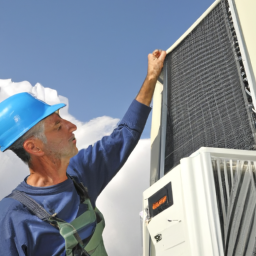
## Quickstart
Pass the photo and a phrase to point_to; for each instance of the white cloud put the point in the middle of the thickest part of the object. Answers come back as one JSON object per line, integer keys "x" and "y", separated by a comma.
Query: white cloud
{"x": 120, "y": 201}
{"x": 12, "y": 172}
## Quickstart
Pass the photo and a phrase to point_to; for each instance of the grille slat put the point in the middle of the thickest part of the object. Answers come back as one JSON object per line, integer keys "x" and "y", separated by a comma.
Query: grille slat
{"x": 245, "y": 228}
{"x": 250, "y": 249}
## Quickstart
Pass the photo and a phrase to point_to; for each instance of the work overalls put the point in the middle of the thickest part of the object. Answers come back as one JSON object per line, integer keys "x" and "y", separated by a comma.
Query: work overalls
{"x": 74, "y": 245}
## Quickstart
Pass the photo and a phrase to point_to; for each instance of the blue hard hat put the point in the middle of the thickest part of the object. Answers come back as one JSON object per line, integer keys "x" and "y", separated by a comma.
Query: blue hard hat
{"x": 19, "y": 113}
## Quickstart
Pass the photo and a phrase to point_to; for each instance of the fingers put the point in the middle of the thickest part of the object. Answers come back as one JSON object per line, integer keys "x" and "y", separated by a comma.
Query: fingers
{"x": 156, "y": 53}
{"x": 162, "y": 55}
{"x": 159, "y": 54}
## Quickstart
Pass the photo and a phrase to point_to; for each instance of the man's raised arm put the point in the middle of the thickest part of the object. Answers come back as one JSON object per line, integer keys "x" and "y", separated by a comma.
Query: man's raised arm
{"x": 155, "y": 65}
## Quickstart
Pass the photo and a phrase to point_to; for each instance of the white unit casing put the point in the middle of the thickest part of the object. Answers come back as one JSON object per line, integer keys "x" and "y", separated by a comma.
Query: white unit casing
{"x": 213, "y": 210}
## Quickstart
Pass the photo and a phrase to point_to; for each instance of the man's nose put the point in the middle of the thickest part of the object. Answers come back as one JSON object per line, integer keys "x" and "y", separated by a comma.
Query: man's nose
{"x": 72, "y": 127}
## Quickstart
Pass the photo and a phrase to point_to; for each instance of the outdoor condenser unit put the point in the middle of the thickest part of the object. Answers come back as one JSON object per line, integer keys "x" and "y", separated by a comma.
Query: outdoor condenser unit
{"x": 205, "y": 97}
{"x": 205, "y": 206}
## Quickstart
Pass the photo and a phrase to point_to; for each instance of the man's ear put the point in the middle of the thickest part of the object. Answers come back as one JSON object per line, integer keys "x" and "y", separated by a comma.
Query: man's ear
{"x": 33, "y": 146}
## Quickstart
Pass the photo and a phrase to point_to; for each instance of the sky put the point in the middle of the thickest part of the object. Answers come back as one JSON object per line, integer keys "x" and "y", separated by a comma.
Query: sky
{"x": 93, "y": 52}
{"x": 93, "y": 55}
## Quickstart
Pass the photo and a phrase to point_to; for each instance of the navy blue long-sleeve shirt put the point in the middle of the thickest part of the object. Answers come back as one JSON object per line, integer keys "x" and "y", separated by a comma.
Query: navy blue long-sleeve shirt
{"x": 22, "y": 233}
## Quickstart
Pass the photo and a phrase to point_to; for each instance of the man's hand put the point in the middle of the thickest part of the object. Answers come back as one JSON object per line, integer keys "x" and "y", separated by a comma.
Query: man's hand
{"x": 155, "y": 65}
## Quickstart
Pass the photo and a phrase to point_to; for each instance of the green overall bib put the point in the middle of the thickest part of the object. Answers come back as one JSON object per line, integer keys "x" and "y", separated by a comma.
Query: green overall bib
{"x": 69, "y": 231}
{"x": 74, "y": 245}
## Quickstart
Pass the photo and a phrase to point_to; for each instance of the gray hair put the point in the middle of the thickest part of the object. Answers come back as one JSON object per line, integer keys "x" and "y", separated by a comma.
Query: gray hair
{"x": 36, "y": 131}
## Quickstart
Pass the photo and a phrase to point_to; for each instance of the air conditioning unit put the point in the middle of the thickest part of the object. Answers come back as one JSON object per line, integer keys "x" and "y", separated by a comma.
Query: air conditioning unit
{"x": 205, "y": 97}
{"x": 209, "y": 95}
{"x": 205, "y": 206}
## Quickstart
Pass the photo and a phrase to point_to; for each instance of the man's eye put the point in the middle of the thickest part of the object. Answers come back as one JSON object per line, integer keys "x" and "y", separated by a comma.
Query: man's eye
{"x": 59, "y": 127}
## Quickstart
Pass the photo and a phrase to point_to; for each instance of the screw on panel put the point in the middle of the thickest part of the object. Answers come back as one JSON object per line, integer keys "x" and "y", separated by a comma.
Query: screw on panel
{"x": 158, "y": 237}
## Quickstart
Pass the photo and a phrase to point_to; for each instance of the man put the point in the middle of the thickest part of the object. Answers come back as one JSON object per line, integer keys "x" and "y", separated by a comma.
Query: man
{"x": 52, "y": 212}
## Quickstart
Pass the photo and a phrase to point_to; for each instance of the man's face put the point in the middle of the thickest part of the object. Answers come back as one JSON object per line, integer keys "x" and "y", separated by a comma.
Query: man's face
{"x": 61, "y": 142}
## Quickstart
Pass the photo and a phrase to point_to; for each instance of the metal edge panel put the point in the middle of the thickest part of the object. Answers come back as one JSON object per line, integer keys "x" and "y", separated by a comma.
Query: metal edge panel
{"x": 163, "y": 124}
{"x": 155, "y": 135}
{"x": 244, "y": 51}
{"x": 247, "y": 19}
{"x": 156, "y": 112}
{"x": 212, "y": 207}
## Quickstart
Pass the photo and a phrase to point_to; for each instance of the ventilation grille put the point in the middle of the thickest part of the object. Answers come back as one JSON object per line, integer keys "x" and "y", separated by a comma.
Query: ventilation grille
{"x": 206, "y": 100}
{"x": 236, "y": 198}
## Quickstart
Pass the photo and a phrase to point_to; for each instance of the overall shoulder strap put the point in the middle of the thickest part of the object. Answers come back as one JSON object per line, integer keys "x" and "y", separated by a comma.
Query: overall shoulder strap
{"x": 36, "y": 208}
{"x": 31, "y": 204}
{"x": 80, "y": 188}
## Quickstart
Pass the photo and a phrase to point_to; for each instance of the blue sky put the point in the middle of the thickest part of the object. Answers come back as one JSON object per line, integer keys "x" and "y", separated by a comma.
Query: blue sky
{"x": 93, "y": 52}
